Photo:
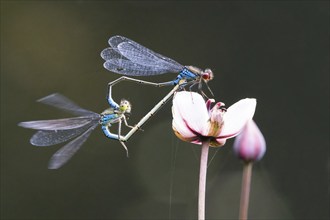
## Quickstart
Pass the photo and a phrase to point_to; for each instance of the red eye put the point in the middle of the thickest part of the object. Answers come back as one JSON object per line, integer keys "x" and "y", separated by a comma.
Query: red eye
{"x": 206, "y": 76}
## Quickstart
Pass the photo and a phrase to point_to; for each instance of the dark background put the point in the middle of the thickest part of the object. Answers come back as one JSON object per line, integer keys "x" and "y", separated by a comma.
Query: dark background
{"x": 277, "y": 52}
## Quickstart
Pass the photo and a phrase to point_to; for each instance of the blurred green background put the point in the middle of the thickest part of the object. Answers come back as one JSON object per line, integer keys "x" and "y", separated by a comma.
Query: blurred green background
{"x": 277, "y": 52}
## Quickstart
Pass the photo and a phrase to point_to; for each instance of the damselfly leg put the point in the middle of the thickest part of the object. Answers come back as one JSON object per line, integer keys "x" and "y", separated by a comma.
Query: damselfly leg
{"x": 127, "y": 57}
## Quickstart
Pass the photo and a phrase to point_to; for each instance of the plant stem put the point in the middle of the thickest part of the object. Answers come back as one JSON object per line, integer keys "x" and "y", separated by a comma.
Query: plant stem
{"x": 202, "y": 179}
{"x": 245, "y": 193}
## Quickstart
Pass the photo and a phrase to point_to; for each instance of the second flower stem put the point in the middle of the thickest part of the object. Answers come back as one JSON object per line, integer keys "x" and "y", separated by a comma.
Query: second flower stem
{"x": 202, "y": 179}
{"x": 245, "y": 193}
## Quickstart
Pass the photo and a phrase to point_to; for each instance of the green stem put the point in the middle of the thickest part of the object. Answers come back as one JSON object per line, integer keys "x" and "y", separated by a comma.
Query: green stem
{"x": 245, "y": 193}
{"x": 202, "y": 179}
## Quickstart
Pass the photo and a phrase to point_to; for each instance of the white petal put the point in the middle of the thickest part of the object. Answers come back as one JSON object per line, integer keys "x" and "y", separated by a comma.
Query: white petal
{"x": 178, "y": 124}
{"x": 180, "y": 127}
{"x": 190, "y": 108}
{"x": 237, "y": 116}
{"x": 218, "y": 142}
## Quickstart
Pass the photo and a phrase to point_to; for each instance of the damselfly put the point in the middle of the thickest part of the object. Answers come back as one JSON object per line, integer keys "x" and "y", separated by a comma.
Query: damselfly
{"x": 51, "y": 132}
{"x": 126, "y": 57}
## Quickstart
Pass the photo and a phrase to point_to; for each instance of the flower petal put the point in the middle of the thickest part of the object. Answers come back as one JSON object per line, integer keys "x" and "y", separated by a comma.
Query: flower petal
{"x": 189, "y": 110}
{"x": 218, "y": 142}
{"x": 184, "y": 136}
{"x": 237, "y": 116}
{"x": 180, "y": 127}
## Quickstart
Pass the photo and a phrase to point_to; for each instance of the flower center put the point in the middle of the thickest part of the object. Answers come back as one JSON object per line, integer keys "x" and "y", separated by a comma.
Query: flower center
{"x": 216, "y": 119}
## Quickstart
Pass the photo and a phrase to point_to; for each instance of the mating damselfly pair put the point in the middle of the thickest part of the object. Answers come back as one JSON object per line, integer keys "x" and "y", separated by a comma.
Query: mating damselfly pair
{"x": 124, "y": 57}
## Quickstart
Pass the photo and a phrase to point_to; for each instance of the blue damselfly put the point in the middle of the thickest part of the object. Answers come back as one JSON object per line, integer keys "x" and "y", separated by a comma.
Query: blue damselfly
{"x": 77, "y": 129}
{"x": 127, "y": 57}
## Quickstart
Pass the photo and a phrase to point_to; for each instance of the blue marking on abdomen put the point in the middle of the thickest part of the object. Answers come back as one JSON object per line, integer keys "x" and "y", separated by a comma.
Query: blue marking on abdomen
{"x": 108, "y": 134}
{"x": 112, "y": 103}
{"x": 106, "y": 118}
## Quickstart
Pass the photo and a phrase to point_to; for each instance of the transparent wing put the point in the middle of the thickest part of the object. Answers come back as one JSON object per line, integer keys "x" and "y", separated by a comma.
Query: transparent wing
{"x": 48, "y": 138}
{"x": 127, "y": 67}
{"x": 112, "y": 53}
{"x": 115, "y": 41}
{"x": 139, "y": 54}
{"x": 64, "y": 154}
{"x": 58, "y": 124}
{"x": 130, "y": 58}
{"x": 61, "y": 102}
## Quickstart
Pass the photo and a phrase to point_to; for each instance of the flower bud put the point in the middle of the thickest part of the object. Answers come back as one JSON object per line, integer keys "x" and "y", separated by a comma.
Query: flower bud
{"x": 250, "y": 144}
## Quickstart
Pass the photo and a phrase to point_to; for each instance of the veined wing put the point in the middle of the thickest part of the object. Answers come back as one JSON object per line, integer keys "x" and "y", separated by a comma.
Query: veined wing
{"x": 144, "y": 56}
{"x": 61, "y": 102}
{"x": 130, "y": 58}
{"x": 148, "y": 56}
{"x": 58, "y": 124}
{"x": 112, "y": 53}
{"x": 52, "y": 137}
{"x": 127, "y": 67}
{"x": 64, "y": 154}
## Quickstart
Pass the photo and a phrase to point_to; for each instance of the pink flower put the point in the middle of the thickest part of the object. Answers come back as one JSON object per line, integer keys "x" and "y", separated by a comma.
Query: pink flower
{"x": 250, "y": 144}
{"x": 194, "y": 120}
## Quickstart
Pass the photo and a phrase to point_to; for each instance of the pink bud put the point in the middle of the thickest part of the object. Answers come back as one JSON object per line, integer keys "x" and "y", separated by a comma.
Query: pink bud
{"x": 250, "y": 144}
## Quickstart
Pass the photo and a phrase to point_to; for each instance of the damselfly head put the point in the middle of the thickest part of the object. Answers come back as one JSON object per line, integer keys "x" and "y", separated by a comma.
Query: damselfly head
{"x": 207, "y": 75}
{"x": 125, "y": 106}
